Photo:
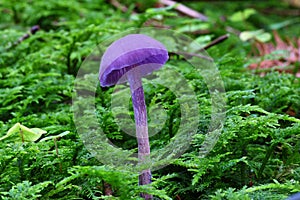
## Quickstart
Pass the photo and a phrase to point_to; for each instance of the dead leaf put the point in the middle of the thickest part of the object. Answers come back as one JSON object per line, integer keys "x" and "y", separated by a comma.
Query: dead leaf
{"x": 272, "y": 60}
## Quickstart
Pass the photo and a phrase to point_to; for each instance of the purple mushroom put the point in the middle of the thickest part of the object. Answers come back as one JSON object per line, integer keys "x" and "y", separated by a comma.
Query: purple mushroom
{"x": 294, "y": 197}
{"x": 129, "y": 59}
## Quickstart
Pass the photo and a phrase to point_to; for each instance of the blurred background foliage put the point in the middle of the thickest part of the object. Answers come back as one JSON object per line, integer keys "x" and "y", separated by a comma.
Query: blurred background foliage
{"x": 257, "y": 155}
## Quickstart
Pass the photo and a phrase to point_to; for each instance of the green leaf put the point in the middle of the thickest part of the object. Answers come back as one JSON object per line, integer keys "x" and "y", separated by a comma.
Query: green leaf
{"x": 264, "y": 37}
{"x": 193, "y": 27}
{"x": 21, "y": 133}
{"x": 259, "y": 35}
{"x": 55, "y": 136}
{"x": 242, "y": 15}
{"x": 283, "y": 24}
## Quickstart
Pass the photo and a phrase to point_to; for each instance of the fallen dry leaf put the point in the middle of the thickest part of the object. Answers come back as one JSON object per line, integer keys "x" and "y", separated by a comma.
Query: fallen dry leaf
{"x": 285, "y": 63}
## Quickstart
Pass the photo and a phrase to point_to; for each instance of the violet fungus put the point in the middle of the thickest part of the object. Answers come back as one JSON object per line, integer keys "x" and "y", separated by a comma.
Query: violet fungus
{"x": 129, "y": 59}
{"x": 294, "y": 197}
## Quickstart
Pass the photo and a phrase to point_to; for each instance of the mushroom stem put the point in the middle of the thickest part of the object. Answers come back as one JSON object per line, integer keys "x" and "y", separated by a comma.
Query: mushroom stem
{"x": 140, "y": 116}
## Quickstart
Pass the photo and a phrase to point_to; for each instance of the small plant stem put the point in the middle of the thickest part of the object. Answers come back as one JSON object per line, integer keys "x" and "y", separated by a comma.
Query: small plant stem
{"x": 171, "y": 123}
{"x": 56, "y": 150}
{"x": 69, "y": 60}
{"x": 266, "y": 159}
{"x": 22, "y": 135}
{"x": 220, "y": 39}
{"x": 20, "y": 159}
{"x": 140, "y": 116}
{"x": 243, "y": 166}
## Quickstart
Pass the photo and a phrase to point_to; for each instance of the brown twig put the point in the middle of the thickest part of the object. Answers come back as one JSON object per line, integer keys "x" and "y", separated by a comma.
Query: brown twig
{"x": 118, "y": 5}
{"x": 184, "y": 9}
{"x": 285, "y": 12}
{"x": 220, "y": 39}
{"x": 149, "y": 22}
{"x": 213, "y": 43}
{"x": 190, "y": 55}
{"x": 32, "y": 31}
{"x": 233, "y": 30}
{"x": 156, "y": 23}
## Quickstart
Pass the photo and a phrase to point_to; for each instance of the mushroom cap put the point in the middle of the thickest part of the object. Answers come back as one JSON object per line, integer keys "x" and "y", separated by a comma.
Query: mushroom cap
{"x": 294, "y": 197}
{"x": 129, "y": 52}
